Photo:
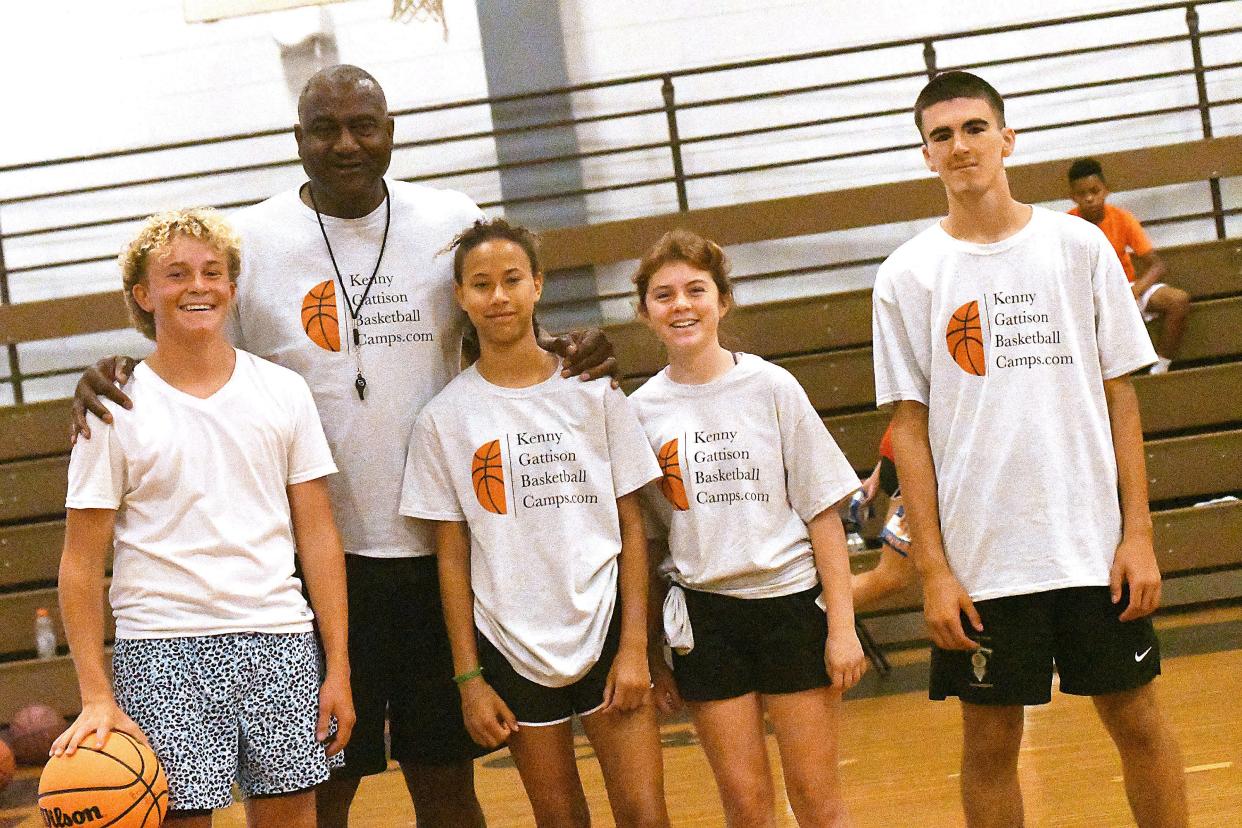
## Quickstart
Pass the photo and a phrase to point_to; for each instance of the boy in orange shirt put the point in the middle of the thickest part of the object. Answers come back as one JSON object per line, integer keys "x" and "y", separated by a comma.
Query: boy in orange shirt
{"x": 1090, "y": 192}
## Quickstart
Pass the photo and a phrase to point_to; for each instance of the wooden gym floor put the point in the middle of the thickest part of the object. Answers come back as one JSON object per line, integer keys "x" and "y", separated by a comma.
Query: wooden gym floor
{"x": 899, "y": 755}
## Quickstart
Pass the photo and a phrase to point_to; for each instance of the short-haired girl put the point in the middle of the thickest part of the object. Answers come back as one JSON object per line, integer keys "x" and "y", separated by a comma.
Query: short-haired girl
{"x": 534, "y": 480}
{"x": 750, "y": 481}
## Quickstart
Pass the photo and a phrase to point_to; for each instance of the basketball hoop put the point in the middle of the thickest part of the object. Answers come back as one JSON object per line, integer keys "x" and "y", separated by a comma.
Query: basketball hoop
{"x": 403, "y": 11}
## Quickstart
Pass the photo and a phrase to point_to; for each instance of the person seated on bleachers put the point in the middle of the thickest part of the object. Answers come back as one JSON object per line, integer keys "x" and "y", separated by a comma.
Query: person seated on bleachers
{"x": 1090, "y": 194}
{"x": 894, "y": 571}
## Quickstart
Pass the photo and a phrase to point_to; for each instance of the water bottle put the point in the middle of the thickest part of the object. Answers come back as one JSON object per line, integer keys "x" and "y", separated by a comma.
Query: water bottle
{"x": 44, "y": 634}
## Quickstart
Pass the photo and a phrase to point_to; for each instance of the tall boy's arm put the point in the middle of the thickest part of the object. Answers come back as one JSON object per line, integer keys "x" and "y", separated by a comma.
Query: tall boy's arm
{"x": 323, "y": 568}
{"x": 488, "y": 719}
{"x": 88, "y": 537}
{"x": 844, "y": 658}
{"x": 629, "y": 679}
{"x": 1135, "y": 560}
{"x": 943, "y": 597}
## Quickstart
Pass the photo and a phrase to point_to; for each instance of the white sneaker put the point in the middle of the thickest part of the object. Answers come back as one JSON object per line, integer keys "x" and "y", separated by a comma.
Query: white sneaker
{"x": 1161, "y": 366}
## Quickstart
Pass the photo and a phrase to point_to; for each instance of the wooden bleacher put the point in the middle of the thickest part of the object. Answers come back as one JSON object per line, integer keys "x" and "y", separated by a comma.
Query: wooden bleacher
{"x": 1192, "y": 417}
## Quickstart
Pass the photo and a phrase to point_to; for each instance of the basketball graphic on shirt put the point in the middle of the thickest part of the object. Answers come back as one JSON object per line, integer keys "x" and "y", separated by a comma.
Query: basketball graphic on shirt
{"x": 319, "y": 316}
{"x": 671, "y": 485}
{"x": 489, "y": 478}
{"x": 964, "y": 337}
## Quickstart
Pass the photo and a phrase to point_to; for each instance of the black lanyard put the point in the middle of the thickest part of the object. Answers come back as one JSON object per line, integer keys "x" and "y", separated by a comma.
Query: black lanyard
{"x": 360, "y": 383}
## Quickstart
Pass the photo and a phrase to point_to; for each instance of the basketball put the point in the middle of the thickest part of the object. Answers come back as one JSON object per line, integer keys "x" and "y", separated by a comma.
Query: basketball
{"x": 8, "y": 765}
{"x": 964, "y": 337}
{"x": 32, "y": 731}
{"x": 319, "y": 316}
{"x": 671, "y": 484}
{"x": 120, "y": 784}
{"x": 489, "y": 478}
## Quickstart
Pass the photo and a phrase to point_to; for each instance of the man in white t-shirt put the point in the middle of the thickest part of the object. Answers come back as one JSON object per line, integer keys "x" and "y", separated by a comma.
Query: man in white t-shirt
{"x": 1005, "y": 336}
{"x": 342, "y": 283}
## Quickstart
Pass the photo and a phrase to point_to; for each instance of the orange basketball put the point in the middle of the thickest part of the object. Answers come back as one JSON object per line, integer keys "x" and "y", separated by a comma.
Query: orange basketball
{"x": 671, "y": 485}
{"x": 120, "y": 784}
{"x": 319, "y": 316}
{"x": 488, "y": 477}
{"x": 964, "y": 337}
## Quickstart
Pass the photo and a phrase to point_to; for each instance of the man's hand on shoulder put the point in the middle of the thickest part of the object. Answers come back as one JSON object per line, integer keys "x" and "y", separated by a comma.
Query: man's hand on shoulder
{"x": 586, "y": 354}
{"x": 1134, "y": 565}
{"x": 103, "y": 379}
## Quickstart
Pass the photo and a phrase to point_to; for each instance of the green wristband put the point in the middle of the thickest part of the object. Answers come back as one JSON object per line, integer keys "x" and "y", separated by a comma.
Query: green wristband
{"x": 468, "y": 675}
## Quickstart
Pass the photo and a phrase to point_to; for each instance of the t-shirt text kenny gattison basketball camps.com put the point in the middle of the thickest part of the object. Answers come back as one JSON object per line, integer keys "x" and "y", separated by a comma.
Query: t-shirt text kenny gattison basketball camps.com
{"x": 536, "y": 473}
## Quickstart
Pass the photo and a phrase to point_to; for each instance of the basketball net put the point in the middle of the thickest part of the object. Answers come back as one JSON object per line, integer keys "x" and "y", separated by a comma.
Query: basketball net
{"x": 404, "y": 11}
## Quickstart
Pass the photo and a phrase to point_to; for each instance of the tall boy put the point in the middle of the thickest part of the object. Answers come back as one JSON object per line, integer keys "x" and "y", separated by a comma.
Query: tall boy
{"x": 1090, "y": 194}
{"x": 1005, "y": 335}
{"x": 207, "y": 487}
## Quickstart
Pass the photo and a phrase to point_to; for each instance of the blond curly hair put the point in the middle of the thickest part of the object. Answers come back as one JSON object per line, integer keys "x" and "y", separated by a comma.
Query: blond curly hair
{"x": 202, "y": 223}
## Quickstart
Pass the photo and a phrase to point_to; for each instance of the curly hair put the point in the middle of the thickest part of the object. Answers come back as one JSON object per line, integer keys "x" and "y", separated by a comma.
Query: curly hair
{"x": 159, "y": 231}
{"x": 485, "y": 230}
{"x": 1085, "y": 168}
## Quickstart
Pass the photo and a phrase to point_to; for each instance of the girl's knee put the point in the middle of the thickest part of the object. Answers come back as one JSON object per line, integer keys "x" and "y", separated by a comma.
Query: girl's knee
{"x": 642, "y": 811}
{"x": 747, "y": 800}
{"x": 816, "y": 805}
{"x": 573, "y": 813}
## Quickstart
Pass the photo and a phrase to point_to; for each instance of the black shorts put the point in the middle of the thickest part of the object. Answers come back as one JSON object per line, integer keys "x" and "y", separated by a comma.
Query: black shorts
{"x": 401, "y": 667}
{"x": 888, "y": 477}
{"x": 752, "y": 645}
{"x": 532, "y": 703}
{"x": 1077, "y": 629}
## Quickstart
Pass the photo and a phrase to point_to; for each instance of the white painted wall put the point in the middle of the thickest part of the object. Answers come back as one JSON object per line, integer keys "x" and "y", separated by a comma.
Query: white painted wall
{"x": 608, "y": 40}
{"x": 128, "y": 73}
{"x": 131, "y": 72}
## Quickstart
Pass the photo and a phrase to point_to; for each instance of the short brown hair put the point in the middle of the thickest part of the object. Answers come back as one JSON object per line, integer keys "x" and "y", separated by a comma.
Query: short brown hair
{"x": 202, "y": 223}
{"x": 949, "y": 85}
{"x": 684, "y": 246}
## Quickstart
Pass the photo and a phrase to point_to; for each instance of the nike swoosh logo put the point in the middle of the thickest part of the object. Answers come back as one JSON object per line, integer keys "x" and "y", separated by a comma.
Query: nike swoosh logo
{"x": 1140, "y": 656}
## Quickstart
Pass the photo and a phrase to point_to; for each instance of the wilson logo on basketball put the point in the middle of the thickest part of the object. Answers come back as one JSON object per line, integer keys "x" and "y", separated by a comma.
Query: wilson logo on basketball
{"x": 319, "y": 316}
{"x": 56, "y": 818}
{"x": 671, "y": 485}
{"x": 488, "y": 477}
{"x": 964, "y": 338}
{"x": 119, "y": 784}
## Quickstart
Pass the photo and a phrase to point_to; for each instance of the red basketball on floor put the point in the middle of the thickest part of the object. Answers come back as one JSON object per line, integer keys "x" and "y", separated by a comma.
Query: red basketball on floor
{"x": 32, "y": 731}
{"x": 120, "y": 784}
{"x": 8, "y": 765}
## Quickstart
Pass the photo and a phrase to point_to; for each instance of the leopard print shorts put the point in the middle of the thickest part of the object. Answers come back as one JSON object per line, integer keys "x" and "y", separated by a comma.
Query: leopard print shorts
{"x": 220, "y": 709}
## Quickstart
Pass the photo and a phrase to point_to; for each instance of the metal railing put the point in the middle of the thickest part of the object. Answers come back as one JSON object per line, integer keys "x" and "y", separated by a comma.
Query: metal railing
{"x": 675, "y": 142}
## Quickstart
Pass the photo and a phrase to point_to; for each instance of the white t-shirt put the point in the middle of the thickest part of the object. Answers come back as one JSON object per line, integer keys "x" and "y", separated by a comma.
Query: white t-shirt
{"x": 204, "y": 543}
{"x": 1018, "y": 423}
{"x": 549, "y": 462}
{"x": 755, "y": 465}
{"x": 410, "y": 330}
